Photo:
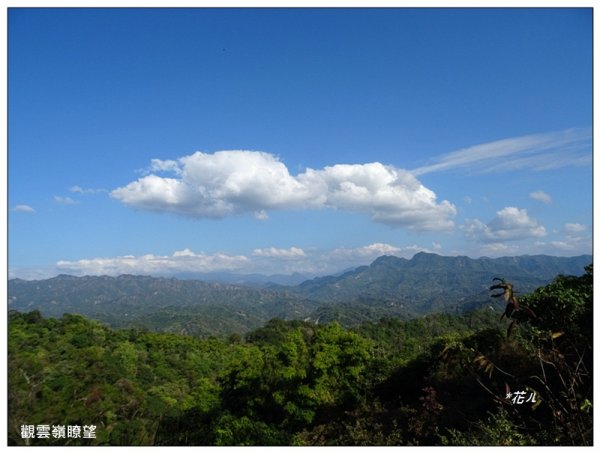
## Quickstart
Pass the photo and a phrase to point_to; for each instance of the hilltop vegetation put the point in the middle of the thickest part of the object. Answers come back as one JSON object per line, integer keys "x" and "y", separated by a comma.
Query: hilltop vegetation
{"x": 441, "y": 379}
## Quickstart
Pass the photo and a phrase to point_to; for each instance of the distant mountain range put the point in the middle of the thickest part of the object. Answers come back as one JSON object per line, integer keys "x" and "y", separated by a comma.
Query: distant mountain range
{"x": 166, "y": 304}
{"x": 429, "y": 282}
{"x": 390, "y": 286}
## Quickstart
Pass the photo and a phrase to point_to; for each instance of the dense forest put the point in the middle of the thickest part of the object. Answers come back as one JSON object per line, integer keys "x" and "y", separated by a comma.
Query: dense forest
{"x": 522, "y": 377}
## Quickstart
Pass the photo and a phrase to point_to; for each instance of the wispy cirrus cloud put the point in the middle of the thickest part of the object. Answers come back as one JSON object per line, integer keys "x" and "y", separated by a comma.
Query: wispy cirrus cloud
{"x": 574, "y": 228}
{"x": 23, "y": 208}
{"x": 83, "y": 191}
{"x": 273, "y": 252}
{"x": 541, "y": 196}
{"x": 571, "y": 147}
{"x": 66, "y": 201}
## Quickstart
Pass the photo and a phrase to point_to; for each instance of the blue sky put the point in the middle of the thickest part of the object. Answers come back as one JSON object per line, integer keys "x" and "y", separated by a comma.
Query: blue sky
{"x": 284, "y": 140}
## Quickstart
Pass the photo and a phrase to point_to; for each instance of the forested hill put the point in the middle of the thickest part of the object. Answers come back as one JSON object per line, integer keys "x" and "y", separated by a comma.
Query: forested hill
{"x": 164, "y": 304}
{"x": 389, "y": 287}
{"x": 429, "y": 282}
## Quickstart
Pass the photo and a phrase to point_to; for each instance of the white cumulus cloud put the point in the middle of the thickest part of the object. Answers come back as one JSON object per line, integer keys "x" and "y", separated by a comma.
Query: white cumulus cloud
{"x": 368, "y": 251}
{"x": 181, "y": 261}
{"x": 236, "y": 182}
{"x": 267, "y": 260}
{"x": 509, "y": 224}
{"x": 575, "y": 239}
{"x": 365, "y": 254}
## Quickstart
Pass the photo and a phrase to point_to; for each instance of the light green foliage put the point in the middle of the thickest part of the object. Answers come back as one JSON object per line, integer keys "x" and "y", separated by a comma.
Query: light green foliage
{"x": 242, "y": 431}
{"x": 76, "y": 371}
{"x": 339, "y": 360}
{"x": 125, "y": 356}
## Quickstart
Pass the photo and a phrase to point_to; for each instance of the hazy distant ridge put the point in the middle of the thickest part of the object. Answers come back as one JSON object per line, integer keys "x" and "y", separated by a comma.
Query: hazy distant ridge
{"x": 390, "y": 286}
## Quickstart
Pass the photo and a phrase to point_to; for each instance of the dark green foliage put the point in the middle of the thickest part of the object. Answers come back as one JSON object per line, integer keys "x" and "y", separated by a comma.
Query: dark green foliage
{"x": 440, "y": 379}
{"x": 565, "y": 305}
